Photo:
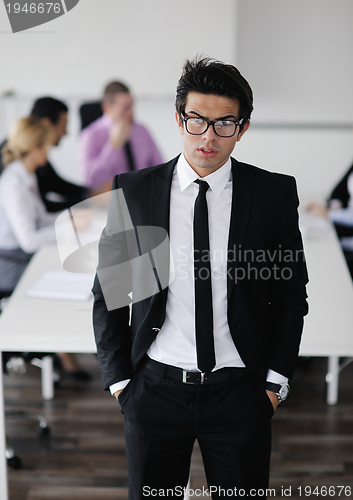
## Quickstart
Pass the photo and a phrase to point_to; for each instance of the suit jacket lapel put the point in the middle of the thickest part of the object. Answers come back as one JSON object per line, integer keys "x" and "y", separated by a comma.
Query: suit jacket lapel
{"x": 160, "y": 194}
{"x": 161, "y": 181}
{"x": 240, "y": 212}
{"x": 160, "y": 207}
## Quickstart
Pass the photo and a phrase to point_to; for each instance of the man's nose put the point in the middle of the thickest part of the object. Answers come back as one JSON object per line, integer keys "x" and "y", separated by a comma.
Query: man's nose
{"x": 210, "y": 134}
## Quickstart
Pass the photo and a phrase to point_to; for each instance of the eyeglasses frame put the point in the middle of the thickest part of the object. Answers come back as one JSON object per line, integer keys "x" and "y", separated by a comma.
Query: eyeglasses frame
{"x": 211, "y": 122}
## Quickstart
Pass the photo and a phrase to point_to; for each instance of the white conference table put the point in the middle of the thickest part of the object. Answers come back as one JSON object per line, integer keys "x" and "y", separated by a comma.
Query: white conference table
{"x": 43, "y": 325}
{"x": 328, "y": 328}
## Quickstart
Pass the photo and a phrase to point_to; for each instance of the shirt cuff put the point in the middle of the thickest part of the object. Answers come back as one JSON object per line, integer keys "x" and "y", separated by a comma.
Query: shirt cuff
{"x": 343, "y": 216}
{"x": 276, "y": 378}
{"x": 335, "y": 204}
{"x": 118, "y": 386}
{"x": 347, "y": 243}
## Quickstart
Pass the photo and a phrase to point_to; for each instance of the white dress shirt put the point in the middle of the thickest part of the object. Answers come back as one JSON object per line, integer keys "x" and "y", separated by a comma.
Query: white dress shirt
{"x": 175, "y": 343}
{"x": 24, "y": 221}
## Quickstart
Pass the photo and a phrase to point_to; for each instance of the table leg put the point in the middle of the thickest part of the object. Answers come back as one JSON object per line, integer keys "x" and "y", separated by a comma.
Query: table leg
{"x": 3, "y": 464}
{"x": 187, "y": 496}
{"x": 47, "y": 377}
{"x": 332, "y": 379}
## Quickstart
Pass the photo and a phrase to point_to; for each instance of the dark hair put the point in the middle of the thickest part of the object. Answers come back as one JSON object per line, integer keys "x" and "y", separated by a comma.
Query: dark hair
{"x": 112, "y": 89}
{"x": 209, "y": 76}
{"x": 48, "y": 107}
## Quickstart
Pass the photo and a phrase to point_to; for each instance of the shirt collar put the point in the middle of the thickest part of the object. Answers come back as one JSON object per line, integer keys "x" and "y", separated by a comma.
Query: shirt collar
{"x": 26, "y": 177}
{"x": 217, "y": 180}
{"x": 106, "y": 120}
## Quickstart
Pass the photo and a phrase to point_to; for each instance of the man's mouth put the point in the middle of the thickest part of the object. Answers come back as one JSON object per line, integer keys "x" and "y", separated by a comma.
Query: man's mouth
{"x": 207, "y": 151}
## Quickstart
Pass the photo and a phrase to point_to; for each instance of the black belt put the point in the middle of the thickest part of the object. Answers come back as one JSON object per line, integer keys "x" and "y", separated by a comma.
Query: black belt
{"x": 193, "y": 377}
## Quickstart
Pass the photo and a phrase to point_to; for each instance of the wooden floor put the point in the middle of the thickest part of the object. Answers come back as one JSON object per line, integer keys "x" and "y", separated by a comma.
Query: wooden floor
{"x": 84, "y": 457}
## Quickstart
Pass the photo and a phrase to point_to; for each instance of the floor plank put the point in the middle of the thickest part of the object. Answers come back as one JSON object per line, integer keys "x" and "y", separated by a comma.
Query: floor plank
{"x": 84, "y": 456}
{"x": 77, "y": 493}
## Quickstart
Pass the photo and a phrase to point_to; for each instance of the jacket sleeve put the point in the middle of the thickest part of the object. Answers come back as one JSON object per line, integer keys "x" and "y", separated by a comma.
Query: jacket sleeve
{"x": 111, "y": 323}
{"x": 50, "y": 181}
{"x": 288, "y": 304}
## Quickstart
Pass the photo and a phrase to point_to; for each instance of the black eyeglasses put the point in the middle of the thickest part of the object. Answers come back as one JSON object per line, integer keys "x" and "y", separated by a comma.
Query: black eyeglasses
{"x": 198, "y": 126}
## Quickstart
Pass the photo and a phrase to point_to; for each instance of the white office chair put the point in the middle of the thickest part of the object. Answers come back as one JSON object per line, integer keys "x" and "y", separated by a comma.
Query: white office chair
{"x": 15, "y": 366}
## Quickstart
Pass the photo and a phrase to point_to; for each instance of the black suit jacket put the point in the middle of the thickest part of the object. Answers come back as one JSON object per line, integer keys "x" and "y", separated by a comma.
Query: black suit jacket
{"x": 49, "y": 181}
{"x": 340, "y": 192}
{"x": 266, "y": 273}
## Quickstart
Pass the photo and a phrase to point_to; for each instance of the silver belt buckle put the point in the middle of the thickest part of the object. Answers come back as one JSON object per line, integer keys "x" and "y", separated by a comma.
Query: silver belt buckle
{"x": 185, "y": 379}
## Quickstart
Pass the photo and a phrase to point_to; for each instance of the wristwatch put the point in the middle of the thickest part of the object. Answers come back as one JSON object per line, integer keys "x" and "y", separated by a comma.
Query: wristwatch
{"x": 282, "y": 390}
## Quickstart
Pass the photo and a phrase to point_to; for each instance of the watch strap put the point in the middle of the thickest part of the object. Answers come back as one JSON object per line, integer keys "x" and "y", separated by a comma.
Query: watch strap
{"x": 270, "y": 386}
{"x": 281, "y": 390}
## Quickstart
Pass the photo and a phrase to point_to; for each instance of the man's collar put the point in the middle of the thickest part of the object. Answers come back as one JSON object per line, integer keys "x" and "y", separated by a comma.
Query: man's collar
{"x": 217, "y": 180}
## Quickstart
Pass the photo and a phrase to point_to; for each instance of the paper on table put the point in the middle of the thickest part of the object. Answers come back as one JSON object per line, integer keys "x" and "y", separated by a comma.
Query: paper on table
{"x": 62, "y": 285}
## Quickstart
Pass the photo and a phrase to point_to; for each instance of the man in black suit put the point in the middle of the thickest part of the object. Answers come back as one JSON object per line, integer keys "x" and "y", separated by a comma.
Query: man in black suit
{"x": 207, "y": 357}
{"x": 57, "y": 193}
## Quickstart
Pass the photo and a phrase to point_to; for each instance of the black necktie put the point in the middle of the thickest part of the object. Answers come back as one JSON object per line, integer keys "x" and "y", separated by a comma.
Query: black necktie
{"x": 206, "y": 359}
{"x": 130, "y": 157}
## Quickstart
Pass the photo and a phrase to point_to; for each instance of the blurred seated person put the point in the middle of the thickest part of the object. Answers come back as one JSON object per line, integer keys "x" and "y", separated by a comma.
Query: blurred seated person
{"x": 341, "y": 200}
{"x": 56, "y": 193}
{"x": 342, "y": 193}
{"x": 114, "y": 143}
{"x": 339, "y": 209}
{"x": 25, "y": 224}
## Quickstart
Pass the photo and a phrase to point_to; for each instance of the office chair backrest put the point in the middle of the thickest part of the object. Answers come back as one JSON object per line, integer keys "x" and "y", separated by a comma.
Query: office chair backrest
{"x": 89, "y": 112}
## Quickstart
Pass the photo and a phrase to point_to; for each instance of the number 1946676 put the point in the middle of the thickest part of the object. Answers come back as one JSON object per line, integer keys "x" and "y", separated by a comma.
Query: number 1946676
{"x": 33, "y": 8}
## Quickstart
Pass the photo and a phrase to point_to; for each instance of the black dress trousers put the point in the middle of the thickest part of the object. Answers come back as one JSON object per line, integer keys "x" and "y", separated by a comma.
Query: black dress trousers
{"x": 163, "y": 418}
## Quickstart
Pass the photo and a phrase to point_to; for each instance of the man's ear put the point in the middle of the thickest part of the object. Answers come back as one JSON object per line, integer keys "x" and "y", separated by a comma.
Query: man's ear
{"x": 47, "y": 121}
{"x": 244, "y": 129}
{"x": 51, "y": 127}
{"x": 179, "y": 123}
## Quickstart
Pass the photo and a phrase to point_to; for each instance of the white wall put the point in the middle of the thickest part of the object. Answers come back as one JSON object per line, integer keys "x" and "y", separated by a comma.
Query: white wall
{"x": 296, "y": 55}
{"x": 317, "y": 158}
{"x": 142, "y": 42}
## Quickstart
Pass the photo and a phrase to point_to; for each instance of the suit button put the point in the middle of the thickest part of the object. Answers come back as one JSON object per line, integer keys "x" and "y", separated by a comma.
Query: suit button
{"x": 156, "y": 329}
